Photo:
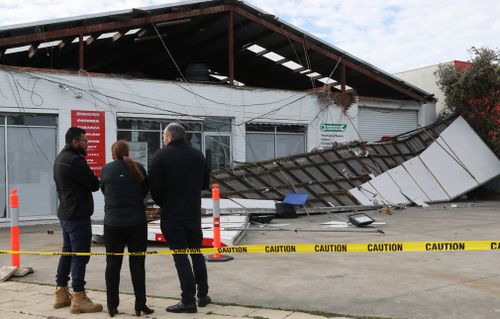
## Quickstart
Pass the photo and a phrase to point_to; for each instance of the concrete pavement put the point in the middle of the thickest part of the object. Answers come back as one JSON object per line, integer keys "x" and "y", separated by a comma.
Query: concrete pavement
{"x": 33, "y": 301}
{"x": 420, "y": 285}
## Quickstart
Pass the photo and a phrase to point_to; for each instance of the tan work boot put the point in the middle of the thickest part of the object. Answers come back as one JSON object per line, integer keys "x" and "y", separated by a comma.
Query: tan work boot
{"x": 63, "y": 297}
{"x": 81, "y": 303}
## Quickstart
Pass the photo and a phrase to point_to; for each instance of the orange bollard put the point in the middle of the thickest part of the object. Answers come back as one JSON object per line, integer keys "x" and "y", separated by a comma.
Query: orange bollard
{"x": 216, "y": 217}
{"x": 14, "y": 228}
{"x": 216, "y": 220}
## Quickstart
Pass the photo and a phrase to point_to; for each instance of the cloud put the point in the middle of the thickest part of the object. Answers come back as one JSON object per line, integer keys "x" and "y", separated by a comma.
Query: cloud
{"x": 15, "y": 12}
{"x": 390, "y": 34}
{"x": 397, "y": 35}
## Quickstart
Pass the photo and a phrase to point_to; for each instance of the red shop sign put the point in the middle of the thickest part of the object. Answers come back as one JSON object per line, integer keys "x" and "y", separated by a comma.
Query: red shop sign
{"x": 93, "y": 123}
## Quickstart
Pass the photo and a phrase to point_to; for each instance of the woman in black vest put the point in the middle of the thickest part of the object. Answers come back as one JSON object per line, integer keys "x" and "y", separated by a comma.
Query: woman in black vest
{"x": 124, "y": 184}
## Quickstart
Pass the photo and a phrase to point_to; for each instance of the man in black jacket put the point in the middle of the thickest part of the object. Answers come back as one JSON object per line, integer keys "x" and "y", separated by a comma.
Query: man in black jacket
{"x": 75, "y": 183}
{"x": 178, "y": 174}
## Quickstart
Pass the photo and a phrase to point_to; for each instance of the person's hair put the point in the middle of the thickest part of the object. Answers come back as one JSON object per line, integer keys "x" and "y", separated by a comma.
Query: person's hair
{"x": 119, "y": 151}
{"x": 176, "y": 131}
{"x": 74, "y": 133}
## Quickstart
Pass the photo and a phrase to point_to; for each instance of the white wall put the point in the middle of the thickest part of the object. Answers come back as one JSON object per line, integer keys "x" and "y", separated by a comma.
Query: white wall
{"x": 173, "y": 100}
{"x": 59, "y": 93}
{"x": 425, "y": 79}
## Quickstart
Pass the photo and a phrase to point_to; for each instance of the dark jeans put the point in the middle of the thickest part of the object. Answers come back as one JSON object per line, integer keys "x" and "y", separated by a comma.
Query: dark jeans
{"x": 77, "y": 237}
{"x": 116, "y": 238}
{"x": 181, "y": 236}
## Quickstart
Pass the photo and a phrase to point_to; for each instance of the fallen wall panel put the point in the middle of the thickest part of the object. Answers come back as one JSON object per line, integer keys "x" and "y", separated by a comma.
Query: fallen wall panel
{"x": 454, "y": 164}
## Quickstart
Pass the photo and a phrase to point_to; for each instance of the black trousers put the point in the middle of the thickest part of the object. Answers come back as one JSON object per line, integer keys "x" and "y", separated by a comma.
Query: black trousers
{"x": 181, "y": 236}
{"x": 116, "y": 238}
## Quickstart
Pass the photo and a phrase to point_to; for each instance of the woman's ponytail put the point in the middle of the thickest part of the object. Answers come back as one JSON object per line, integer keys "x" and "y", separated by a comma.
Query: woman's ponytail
{"x": 119, "y": 150}
{"x": 134, "y": 169}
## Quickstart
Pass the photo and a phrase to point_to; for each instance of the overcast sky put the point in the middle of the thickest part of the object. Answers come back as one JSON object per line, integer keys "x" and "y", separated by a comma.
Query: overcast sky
{"x": 390, "y": 34}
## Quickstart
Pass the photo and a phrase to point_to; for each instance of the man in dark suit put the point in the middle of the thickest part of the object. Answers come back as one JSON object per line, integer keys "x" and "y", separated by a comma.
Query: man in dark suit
{"x": 178, "y": 174}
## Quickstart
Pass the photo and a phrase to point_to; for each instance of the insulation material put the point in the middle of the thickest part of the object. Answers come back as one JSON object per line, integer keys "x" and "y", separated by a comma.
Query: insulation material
{"x": 456, "y": 163}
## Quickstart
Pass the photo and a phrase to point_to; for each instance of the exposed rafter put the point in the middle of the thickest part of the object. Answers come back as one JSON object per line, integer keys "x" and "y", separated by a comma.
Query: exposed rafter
{"x": 228, "y": 28}
{"x": 108, "y": 26}
{"x": 324, "y": 51}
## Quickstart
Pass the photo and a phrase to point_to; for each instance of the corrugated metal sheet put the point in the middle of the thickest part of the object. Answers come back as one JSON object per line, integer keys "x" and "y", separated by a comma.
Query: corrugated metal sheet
{"x": 376, "y": 122}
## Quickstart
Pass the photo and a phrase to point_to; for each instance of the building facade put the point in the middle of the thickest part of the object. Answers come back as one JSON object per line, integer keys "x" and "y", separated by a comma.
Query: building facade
{"x": 425, "y": 78}
{"x": 128, "y": 74}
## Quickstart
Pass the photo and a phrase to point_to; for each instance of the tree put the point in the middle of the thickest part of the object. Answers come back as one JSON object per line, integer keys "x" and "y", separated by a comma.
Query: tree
{"x": 475, "y": 93}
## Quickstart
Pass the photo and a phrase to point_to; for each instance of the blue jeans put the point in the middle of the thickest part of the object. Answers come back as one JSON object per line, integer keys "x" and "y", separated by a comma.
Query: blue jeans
{"x": 77, "y": 237}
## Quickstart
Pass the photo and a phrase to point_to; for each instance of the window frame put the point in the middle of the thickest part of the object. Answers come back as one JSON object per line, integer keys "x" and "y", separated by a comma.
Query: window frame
{"x": 275, "y": 133}
{"x": 203, "y": 133}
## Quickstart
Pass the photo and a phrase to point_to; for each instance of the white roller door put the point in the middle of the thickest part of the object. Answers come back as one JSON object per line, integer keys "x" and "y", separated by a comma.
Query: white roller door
{"x": 375, "y": 122}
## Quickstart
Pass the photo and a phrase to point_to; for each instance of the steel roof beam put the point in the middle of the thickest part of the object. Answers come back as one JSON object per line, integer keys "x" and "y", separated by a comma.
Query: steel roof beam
{"x": 110, "y": 26}
{"x": 352, "y": 65}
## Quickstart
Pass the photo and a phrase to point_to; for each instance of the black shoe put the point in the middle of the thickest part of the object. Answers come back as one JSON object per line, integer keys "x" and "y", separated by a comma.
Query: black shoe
{"x": 203, "y": 301}
{"x": 145, "y": 309}
{"x": 182, "y": 307}
{"x": 113, "y": 312}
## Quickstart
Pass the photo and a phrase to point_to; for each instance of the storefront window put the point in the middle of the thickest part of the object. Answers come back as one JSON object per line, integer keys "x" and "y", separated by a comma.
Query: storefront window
{"x": 217, "y": 124}
{"x": 142, "y": 144}
{"x": 31, "y": 120}
{"x": 260, "y": 147}
{"x": 29, "y": 155}
{"x": 194, "y": 139}
{"x": 139, "y": 124}
{"x": 289, "y": 144}
{"x": 268, "y": 141}
{"x": 145, "y": 137}
{"x": 218, "y": 151}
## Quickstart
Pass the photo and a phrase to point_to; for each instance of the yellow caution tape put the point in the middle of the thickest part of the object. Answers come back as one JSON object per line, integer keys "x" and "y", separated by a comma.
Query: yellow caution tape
{"x": 373, "y": 247}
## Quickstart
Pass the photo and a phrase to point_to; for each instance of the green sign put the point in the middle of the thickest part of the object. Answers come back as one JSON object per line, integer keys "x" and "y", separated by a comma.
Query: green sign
{"x": 332, "y": 127}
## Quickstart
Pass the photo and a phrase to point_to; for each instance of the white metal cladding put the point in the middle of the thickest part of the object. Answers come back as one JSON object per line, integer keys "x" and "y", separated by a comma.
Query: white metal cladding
{"x": 375, "y": 122}
{"x": 457, "y": 162}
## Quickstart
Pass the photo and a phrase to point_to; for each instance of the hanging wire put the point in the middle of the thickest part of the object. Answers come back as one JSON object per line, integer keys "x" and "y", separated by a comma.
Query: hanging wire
{"x": 17, "y": 94}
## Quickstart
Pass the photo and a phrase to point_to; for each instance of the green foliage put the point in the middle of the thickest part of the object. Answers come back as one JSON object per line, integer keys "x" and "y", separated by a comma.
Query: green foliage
{"x": 475, "y": 93}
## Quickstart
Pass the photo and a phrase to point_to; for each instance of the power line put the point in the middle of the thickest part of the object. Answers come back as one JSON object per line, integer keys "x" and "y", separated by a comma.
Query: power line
{"x": 64, "y": 82}
{"x": 93, "y": 91}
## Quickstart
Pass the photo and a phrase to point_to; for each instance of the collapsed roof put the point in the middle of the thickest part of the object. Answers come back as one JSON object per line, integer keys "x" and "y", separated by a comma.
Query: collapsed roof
{"x": 236, "y": 41}
{"x": 325, "y": 175}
